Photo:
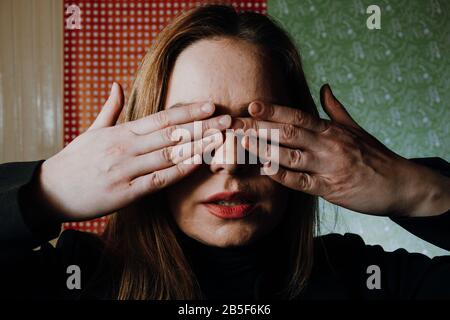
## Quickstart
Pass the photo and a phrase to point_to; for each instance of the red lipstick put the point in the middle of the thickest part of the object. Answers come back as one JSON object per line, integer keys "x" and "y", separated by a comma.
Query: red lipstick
{"x": 230, "y": 205}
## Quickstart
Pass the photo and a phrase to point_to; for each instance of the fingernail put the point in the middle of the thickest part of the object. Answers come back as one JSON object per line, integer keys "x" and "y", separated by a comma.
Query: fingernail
{"x": 225, "y": 120}
{"x": 208, "y": 139}
{"x": 207, "y": 107}
{"x": 255, "y": 107}
{"x": 238, "y": 124}
{"x": 112, "y": 88}
{"x": 245, "y": 141}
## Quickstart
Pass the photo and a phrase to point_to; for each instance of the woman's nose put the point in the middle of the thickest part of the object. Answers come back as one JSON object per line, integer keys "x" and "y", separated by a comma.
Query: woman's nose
{"x": 230, "y": 157}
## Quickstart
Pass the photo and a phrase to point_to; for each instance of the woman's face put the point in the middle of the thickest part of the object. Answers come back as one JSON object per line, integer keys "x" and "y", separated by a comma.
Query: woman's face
{"x": 230, "y": 73}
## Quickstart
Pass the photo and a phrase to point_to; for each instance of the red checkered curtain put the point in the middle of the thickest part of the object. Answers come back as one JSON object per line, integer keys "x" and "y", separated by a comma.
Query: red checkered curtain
{"x": 104, "y": 41}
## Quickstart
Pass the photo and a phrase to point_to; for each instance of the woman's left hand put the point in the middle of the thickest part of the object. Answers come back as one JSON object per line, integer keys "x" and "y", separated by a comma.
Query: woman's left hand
{"x": 341, "y": 162}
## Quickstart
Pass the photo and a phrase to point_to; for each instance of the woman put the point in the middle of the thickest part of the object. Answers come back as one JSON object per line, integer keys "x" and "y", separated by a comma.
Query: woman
{"x": 183, "y": 229}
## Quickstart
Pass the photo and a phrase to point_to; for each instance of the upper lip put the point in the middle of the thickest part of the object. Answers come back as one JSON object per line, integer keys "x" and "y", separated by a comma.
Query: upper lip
{"x": 231, "y": 196}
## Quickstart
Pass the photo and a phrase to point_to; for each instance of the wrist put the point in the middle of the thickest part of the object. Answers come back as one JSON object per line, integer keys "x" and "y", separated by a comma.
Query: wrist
{"x": 426, "y": 192}
{"x": 42, "y": 196}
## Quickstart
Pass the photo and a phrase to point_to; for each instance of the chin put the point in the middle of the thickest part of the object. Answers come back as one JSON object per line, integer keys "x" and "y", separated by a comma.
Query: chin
{"x": 234, "y": 236}
{"x": 229, "y": 235}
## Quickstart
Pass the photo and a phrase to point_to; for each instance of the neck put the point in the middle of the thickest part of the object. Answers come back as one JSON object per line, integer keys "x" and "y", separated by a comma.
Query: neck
{"x": 232, "y": 272}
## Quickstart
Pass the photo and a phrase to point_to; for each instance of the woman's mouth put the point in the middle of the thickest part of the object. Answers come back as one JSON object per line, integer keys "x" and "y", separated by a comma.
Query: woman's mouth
{"x": 230, "y": 205}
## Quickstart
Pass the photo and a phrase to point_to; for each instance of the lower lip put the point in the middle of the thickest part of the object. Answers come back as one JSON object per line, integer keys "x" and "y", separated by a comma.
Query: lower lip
{"x": 230, "y": 212}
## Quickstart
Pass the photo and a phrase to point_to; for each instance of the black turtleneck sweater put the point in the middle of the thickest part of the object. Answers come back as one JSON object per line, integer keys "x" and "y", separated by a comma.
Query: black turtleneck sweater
{"x": 233, "y": 272}
{"x": 247, "y": 272}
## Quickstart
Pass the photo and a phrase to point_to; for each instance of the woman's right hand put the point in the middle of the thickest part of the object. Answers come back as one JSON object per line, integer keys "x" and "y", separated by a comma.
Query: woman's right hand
{"x": 109, "y": 166}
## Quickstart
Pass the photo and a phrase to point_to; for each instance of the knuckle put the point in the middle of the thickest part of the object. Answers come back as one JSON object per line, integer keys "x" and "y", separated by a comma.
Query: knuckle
{"x": 168, "y": 134}
{"x": 326, "y": 125}
{"x": 288, "y": 132}
{"x": 339, "y": 148}
{"x": 128, "y": 129}
{"x": 166, "y": 154}
{"x": 116, "y": 150}
{"x": 156, "y": 180}
{"x": 209, "y": 124}
{"x": 304, "y": 181}
{"x": 269, "y": 110}
{"x": 300, "y": 118}
{"x": 343, "y": 142}
{"x": 181, "y": 171}
{"x": 336, "y": 132}
{"x": 162, "y": 118}
{"x": 339, "y": 131}
{"x": 107, "y": 168}
{"x": 124, "y": 133}
{"x": 283, "y": 175}
{"x": 295, "y": 158}
{"x": 334, "y": 137}
{"x": 192, "y": 112}
{"x": 110, "y": 175}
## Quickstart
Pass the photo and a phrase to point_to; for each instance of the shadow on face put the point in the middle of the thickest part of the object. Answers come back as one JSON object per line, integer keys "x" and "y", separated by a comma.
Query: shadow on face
{"x": 231, "y": 73}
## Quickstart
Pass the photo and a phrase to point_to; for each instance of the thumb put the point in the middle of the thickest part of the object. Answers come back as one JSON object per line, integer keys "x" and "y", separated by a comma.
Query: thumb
{"x": 111, "y": 109}
{"x": 334, "y": 109}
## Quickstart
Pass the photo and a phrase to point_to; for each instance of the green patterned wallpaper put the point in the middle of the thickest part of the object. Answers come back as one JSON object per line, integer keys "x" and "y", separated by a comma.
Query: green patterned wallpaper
{"x": 394, "y": 81}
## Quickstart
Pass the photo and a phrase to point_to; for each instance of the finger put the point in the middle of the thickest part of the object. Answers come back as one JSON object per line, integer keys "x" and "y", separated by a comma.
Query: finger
{"x": 285, "y": 134}
{"x": 300, "y": 181}
{"x": 187, "y": 150}
{"x": 282, "y": 114}
{"x": 157, "y": 180}
{"x": 169, "y": 156}
{"x": 334, "y": 109}
{"x": 293, "y": 159}
{"x": 181, "y": 133}
{"x": 111, "y": 109}
{"x": 177, "y": 114}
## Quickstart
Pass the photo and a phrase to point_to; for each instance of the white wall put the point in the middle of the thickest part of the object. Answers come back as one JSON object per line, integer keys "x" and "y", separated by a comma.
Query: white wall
{"x": 31, "y": 55}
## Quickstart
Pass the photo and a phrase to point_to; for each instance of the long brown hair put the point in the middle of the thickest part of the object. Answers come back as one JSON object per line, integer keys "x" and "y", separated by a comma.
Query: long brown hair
{"x": 142, "y": 236}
